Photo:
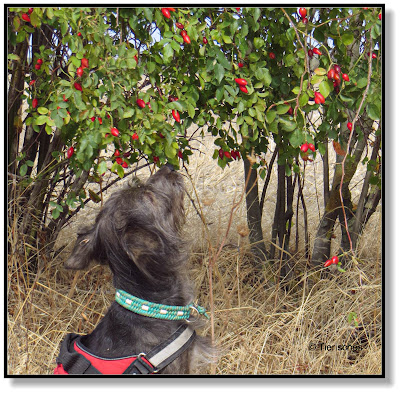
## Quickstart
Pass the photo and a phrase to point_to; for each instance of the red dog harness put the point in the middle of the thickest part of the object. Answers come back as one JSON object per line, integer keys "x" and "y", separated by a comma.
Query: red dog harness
{"x": 74, "y": 358}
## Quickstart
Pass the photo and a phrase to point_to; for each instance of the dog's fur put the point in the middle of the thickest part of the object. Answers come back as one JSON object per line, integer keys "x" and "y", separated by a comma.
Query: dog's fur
{"x": 138, "y": 234}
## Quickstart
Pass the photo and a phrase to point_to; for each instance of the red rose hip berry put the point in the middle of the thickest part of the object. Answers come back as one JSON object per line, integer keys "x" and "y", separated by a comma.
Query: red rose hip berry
{"x": 140, "y": 103}
{"x": 319, "y": 98}
{"x": 114, "y": 131}
{"x": 26, "y": 17}
{"x": 328, "y": 263}
{"x": 84, "y": 63}
{"x": 331, "y": 73}
{"x": 303, "y": 12}
{"x": 166, "y": 13}
{"x": 317, "y": 51}
{"x": 304, "y": 147}
{"x": 70, "y": 152}
{"x": 176, "y": 116}
{"x": 241, "y": 81}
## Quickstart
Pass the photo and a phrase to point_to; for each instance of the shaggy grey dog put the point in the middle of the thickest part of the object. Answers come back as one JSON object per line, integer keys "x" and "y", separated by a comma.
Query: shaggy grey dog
{"x": 138, "y": 234}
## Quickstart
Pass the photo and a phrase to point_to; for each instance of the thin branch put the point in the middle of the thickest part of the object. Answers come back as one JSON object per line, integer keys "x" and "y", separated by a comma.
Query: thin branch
{"x": 271, "y": 163}
{"x": 349, "y": 142}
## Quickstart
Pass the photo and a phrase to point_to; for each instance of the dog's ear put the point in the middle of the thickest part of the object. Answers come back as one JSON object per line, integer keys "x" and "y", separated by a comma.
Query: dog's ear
{"x": 82, "y": 253}
{"x": 141, "y": 248}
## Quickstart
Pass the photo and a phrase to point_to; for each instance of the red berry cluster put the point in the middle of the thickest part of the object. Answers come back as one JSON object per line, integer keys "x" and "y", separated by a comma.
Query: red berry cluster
{"x": 334, "y": 74}
{"x": 167, "y": 13}
{"x": 313, "y": 51}
{"x": 26, "y": 17}
{"x": 305, "y": 149}
{"x": 242, "y": 84}
{"x": 307, "y": 146}
{"x": 119, "y": 160}
{"x": 333, "y": 261}
{"x": 79, "y": 72}
{"x": 233, "y": 154}
{"x": 38, "y": 64}
{"x": 303, "y": 13}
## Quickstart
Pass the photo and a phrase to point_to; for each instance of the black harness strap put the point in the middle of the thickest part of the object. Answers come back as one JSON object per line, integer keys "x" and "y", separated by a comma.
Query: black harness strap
{"x": 72, "y": 361}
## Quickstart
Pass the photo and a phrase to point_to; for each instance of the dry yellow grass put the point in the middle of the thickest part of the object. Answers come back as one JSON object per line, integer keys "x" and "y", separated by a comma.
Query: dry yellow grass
{"x": 260, "y": 327}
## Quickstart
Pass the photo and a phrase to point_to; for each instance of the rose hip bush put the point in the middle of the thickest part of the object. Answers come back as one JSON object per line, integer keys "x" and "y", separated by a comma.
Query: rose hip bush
{"x": 247, "y": 76}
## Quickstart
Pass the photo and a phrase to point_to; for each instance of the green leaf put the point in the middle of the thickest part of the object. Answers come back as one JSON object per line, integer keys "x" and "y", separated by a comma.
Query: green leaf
{"x": 282, "y": 109}
{"x": 148, "y": 13}
{"x": 219, "y": 93}
{"x": 42, "y": 110}
{"x": 23, "y": 169}
{"x": 120, "y": 171}
{"x": 168, "y": 53}
{"x": 191, "y": 110}
{"x": 102, "y": 168}
{"x": 258, "y": 42}
{"x": 325, "y": 88}
{"x": 362, "y": 82}
{"x": 373, "y": 112}
{"x": 170, "y": 152}
{"x": 290, "y": 34}
{"x": 303, "y": 99}
{"x": 55, "y": 213}
{"x": 40, "y": 120}
{"x": 227, "y": 39}
{"x": 287, "y": 125}
{"x": 316, "y": 79}
{"x": 223, "y": 60}
{"x": 320, "y": 71}
{"x": 128, "y": 113}
{"x": 271, "y": 115}
{"x": 75, "y": 61}
{"x": 219, "y": 72}
{"x": 176, "y": 105}
{"x": 296, "y": 138}
{"x": 347, "y": 38}
{"x": 264, "y": 75}
{"x": 12, "y": 56}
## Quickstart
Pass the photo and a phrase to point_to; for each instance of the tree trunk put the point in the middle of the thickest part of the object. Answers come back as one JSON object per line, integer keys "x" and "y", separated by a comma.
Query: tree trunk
{"x": 254, "y": 215}
{"x": 322, "y": 243}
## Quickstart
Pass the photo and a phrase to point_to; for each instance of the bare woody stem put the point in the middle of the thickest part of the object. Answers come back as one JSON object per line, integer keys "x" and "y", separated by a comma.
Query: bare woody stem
{"x": 349, "y": 143}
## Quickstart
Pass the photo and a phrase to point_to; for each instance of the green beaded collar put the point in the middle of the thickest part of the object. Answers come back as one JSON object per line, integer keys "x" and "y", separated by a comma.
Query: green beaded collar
{"x": 154, "y": 310}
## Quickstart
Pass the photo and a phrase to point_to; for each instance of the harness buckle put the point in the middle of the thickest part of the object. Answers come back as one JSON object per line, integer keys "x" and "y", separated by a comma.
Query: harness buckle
{"x": 143, "y": 365}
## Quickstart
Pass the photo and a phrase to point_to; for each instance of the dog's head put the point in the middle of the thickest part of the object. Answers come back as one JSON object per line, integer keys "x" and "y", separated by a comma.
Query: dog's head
{"x": 138, "y": 230}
